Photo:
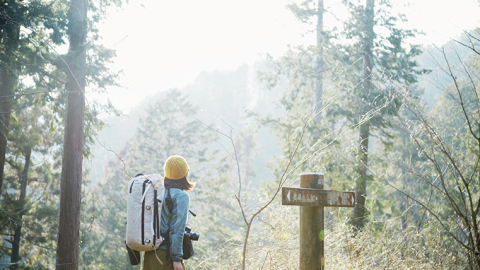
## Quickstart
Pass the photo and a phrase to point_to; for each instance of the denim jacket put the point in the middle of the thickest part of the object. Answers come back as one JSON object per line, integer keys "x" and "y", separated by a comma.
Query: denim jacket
{"x": 178, "y": 221}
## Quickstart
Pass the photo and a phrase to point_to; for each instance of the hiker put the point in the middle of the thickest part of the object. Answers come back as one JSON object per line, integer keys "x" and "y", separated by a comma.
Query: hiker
{"x": 174, "y": 217}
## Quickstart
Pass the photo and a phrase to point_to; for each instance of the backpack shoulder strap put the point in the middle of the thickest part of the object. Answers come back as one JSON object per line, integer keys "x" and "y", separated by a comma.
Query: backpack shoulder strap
{"x": 169, "y": 201}
{"x": 169, "y": 204}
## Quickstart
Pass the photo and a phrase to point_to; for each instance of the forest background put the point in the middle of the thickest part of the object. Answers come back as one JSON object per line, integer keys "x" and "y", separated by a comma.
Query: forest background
{"x": 359, "y": 94}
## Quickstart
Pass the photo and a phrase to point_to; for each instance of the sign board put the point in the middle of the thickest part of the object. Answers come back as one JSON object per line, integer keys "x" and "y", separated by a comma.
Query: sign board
{"x": 313, "y": 199}
{"x": 317, "y": 197}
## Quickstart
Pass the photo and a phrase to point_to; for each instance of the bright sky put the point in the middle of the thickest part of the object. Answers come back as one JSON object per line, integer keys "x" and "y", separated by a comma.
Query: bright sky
{"x": 166, "y": 43}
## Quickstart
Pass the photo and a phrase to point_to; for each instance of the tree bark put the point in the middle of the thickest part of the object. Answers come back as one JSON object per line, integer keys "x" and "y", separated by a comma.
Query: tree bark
{"x": 318, "y": 87}
{"x": 7, "y": 84}
{"x": 15, "y": 258}
{"x": 359, "y": 212}
{"x": 71, "y": 177}
{"x": 8, "y": 80}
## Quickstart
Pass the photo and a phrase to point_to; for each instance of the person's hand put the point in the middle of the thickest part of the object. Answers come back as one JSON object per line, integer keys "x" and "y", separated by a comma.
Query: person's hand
{"x": 177, "y": 266}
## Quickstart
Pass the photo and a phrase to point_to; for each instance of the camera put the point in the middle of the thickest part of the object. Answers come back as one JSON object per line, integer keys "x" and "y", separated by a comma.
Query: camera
{"x": 192, "y": 235}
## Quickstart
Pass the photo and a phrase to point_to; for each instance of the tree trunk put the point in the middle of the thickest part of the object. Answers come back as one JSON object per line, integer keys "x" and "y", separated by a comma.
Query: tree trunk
{"x": 8, "y": 80}
{"x": 71, "y": 178}
{"x": 318, "y": 87}
{"x": 7, "y": 84}
{"x": 21, "y": 210}
{"x": 359, "y": 212}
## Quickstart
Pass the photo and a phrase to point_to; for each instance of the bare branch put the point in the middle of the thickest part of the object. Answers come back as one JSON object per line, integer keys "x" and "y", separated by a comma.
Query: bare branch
{"x": 457, "y": 87}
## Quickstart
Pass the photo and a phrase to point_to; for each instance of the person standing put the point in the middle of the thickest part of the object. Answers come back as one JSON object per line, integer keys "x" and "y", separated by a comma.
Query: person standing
{"x": 174, "y": 217}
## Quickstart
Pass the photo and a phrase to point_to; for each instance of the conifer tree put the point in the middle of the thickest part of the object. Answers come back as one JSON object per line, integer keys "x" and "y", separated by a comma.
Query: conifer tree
{"x": 71, "y": 179}
{"x": 80, "y": 124}
{"x": 304, "y": 13}
{"x": 43, "y": 21}
{"x": 169, "y": 127}
{"x": 386, "y": 62}
{"x": 364, "y": 128}
{"x": 30, "y": 132}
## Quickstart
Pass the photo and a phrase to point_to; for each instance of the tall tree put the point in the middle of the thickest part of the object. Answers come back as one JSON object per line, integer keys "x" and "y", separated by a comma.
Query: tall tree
{"x": 304, "y": 13}
{"x": 364, "y": 128}
{"x": 367, "y": 100}
{"x": 20, "y": 209}
{"x": 168, "y": 127}
{"x": 28, "y": 55}
{"x": 43, "y": 21}
{"x": 318, "y": 88}
{"x": 30, "y": 133}
{"x": 10, "y": 33}
{"x": 71, "y": 177}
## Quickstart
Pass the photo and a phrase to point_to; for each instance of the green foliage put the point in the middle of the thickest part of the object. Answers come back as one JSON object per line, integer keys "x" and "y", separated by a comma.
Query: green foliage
{"x": 31, "y": 32}
{"x": 393, "y": 63}
{"x": 305, "y": 11}
{"x": 169, "y": 127}
{"x": 47, "y": 17}
{"x": 38, "y": 214}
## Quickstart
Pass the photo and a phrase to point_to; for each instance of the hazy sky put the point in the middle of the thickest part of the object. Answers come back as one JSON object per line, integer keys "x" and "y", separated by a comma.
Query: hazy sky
{"x": 166, "y": 43}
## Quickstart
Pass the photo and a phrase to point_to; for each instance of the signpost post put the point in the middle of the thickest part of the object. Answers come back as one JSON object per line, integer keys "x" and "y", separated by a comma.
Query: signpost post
{"x": 312, "y": 198}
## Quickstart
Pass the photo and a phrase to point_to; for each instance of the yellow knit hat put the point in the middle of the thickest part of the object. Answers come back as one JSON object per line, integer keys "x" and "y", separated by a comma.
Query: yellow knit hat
{"x": 176, "y": 167}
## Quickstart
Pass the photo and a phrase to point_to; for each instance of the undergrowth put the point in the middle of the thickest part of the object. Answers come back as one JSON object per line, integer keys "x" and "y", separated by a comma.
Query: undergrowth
{"x": 382, "y": 244}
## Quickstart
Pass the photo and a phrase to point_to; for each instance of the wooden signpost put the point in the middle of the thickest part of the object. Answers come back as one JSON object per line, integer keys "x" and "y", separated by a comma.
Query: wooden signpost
{"x": 312, "y": 199}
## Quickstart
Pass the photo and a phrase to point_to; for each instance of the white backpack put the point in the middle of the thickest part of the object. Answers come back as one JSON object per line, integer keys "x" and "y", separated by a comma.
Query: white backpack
{"x": 144, "y": 212}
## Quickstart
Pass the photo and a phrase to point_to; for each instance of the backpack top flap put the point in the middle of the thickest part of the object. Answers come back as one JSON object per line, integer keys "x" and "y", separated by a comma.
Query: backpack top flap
{"x": 157, "y": 180}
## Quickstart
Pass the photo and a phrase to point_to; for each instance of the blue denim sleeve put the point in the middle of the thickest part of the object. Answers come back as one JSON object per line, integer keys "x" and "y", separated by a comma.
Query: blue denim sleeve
{"x": 181, "y": 204}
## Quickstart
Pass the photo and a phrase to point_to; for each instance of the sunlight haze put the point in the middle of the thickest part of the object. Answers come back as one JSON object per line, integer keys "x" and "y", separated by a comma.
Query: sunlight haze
{"x": 166, "y": 44}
